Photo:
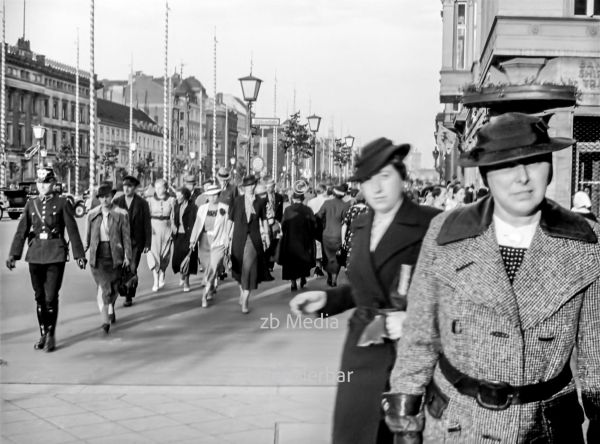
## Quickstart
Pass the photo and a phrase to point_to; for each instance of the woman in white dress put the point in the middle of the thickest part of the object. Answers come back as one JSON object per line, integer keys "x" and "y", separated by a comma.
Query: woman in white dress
{"x": 162, "y": 208}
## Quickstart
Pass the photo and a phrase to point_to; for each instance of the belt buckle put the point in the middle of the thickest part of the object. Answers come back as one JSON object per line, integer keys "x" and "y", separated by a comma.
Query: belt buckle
{"x": 44, "y": 236}
{"x": 497, "y": 390}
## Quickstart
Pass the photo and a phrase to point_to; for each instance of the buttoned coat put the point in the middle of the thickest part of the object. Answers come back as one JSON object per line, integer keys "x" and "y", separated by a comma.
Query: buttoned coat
{"x": 139, "y": 220}
{"x": 51, "y": 215}
{"x": 462, "y": 304}
{"x": 373, "y": 278}
{"x": 118, "y": 233}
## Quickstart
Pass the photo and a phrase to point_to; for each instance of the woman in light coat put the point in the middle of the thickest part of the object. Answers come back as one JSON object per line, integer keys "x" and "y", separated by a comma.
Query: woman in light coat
{"x": 504, "y": 291}
{"x": 109, "y": 244}
{"x": 211, "y": 234}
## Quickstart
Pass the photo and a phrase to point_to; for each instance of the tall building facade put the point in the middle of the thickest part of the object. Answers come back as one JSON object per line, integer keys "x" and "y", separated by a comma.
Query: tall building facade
{"x": 537, "y": 56}
{"x": 40, "y": 91}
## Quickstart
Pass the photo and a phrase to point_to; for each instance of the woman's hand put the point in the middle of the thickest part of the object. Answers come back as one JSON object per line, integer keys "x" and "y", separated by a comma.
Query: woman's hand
{"x": 393, "y": 324}
{"x": 308, "y": 302}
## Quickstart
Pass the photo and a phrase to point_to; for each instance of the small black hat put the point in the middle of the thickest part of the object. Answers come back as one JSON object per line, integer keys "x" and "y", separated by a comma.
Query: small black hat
{"x": 510, "y": 137}
{"x": 375, "y": 155}
{"x": 249, "y": 180}
{"x": 45, "y": 175}
{"x": 105, "y": 189}
{"x": 131, "y": 180}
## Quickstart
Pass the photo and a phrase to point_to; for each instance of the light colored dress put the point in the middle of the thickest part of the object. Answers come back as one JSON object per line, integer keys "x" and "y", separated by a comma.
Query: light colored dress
{"x": 161, "y": 218}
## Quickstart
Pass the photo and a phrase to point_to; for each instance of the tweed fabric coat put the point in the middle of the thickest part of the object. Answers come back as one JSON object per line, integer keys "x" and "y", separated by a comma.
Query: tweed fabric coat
{"x": 462, "y": 304}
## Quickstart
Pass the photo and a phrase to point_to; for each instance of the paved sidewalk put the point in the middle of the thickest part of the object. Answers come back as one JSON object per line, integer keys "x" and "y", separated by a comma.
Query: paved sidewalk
{"x": 53, "y": 414}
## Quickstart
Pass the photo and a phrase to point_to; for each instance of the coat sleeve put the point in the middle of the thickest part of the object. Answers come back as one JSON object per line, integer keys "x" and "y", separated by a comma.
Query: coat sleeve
{"x": 126, "y": 236}
{"x": 588, "y": 358}
{"x": 147, "y": 224}
{"x": 71, "y": 224}
{"x": 88, "y": 232}
{"x": 197, "y": 228}
{"x": 18, "y": 243}
{"x": 338, "y": 301}
{"x": 418, "y": 348}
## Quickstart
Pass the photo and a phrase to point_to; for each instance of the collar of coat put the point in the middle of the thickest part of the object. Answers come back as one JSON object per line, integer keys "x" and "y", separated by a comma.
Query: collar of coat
{"x": 407, "y": 214}
{"x": 474, "y": 220}
{"x": 113, "y": 211}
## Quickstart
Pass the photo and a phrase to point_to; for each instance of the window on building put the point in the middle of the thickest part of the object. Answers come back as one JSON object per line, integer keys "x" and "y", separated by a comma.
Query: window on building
{"x": 81, "y": 114}
{"x": 9, "y": 133}
{"x": 181, "y": 115}
{"x": 460, "y": 47}
{"x": 22, "y": 103}
{"x": 181, "y": 132}
{"x": 46, "y": 108}
{"x": 181, "y": 148}
{"x": 72, "y": 140}
{"x": 587, "y": 7}
{"x": 55, "y": 139}
{"x": 21, "y": 135}
{"x": 55, "y": 109}
{"x": 64, "y": 111}
{"x": 72, "y": 112}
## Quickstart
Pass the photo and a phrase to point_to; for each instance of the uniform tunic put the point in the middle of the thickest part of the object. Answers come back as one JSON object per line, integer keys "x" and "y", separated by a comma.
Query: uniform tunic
{"x": 161, "y": 218}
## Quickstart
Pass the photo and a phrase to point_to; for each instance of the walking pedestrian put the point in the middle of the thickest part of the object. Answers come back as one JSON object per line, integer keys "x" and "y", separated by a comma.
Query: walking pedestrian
{"x": 211, "y": 235}
{"x": 386, "y": 244}
{"x": 274, "y": 217}
{"x": 109, "y": 243}
{"x": 331, "y": 215}
{"x": 139, "y": 225}
{"x": 297, "y": 249}
{"x": 315, "y": 205}
{"x": 249, "y": 239}
{"x": 504, "y": 291}
{"x": 189, "y": 182}
{"x": 229, "y": 190}
{"x": 360, "y": 207}
{"x": 42, "y": 225}
{"x": 184, "y": 217}
{"x": 162, "y": 214}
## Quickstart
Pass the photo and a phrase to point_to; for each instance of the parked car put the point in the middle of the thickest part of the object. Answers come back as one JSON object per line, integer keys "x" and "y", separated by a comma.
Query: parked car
{"x": 18, "y": 198}
{"x": 3, "y": 202}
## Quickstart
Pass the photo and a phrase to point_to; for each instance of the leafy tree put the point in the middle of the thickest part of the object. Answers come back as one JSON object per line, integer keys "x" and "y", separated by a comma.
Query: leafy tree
{"x": 296, "y": 137}
{"x": 64, "y": 161}
{"x": 178, "y": 168}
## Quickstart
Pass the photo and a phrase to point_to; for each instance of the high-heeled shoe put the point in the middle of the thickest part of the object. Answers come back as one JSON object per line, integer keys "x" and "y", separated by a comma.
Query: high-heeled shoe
{"x": 106, "y": 328}
{"x": 294, "y": 286}
{"x": 113, "y": 318}
{"x": 302, "y": 282}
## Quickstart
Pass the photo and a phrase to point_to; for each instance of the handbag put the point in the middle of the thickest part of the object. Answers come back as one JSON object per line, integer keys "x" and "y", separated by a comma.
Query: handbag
{"x": 341, "y": 255}
{"x": 128, "y": 281}
{"x": 152, "y": 262}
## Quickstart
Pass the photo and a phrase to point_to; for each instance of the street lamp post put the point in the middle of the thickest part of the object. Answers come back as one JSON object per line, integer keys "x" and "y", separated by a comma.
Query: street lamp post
{"x": 38, "y": 133}
{"x": 250, "y": 87}
{"x": 349, "y": 142}
{"x": 314, "y": 122}
{"x": 284, "y": 169}
{"x": 132, "y": 148}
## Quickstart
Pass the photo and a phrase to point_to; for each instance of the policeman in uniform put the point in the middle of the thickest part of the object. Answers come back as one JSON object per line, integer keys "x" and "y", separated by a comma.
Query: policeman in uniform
{"x": 43, "y": 226}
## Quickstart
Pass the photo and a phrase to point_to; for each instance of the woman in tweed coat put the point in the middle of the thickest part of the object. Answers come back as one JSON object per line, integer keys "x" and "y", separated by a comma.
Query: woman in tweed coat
{"x": 386, "y": 240}
{"x": 503, "y": 292}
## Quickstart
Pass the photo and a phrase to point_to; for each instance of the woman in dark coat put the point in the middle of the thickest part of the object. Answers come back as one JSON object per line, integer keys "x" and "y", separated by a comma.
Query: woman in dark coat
{"x": 249, "y": 240}
{"x": 185, "y": 216}
{"x": 297, "y": 249}
{"x": 385, "y": 241}
{"x": 331, "y": 215}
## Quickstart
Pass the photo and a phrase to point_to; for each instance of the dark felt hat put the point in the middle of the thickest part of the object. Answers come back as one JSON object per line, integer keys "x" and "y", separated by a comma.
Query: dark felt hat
{"x": 45, "y": 175}
{"x": 105, "y": 189}
{"x": 249, "y": 180}
{"x": 376, "y": 155}
{"x": 190, "y": 178}
{"x": 131, "y": 180}
{"x": 510, "y": 137}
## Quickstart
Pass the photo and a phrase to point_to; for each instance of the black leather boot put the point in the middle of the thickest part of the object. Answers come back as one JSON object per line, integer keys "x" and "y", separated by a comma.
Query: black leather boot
{"x": 41, "y": 317}
{"x": 52, "y": 317}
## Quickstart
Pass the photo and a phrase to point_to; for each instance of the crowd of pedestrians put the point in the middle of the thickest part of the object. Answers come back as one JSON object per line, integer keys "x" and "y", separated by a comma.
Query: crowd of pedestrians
{"x": 468, "y": 303}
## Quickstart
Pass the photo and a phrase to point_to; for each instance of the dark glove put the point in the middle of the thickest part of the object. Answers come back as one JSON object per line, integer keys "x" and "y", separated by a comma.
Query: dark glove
{"x": 81, "y": 262}
{"x": 10, "y": 262}
{"x": 404, "y": 416}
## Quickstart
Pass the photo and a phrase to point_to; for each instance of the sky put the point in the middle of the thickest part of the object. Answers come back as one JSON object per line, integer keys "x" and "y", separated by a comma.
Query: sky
{"x": 369, "y": 68}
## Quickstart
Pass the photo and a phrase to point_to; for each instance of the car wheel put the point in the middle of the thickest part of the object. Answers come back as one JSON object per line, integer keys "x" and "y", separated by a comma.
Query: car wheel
{"x": 80, "y": 210}
{"x": 14, "y": 216}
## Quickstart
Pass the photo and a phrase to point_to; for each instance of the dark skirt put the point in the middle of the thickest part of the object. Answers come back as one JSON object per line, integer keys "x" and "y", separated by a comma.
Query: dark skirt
{"x": 181, "y": 247}
{"x": 330, "y": 246}
{"x": 105, "y": 275}
{"x": 249, "y": 277}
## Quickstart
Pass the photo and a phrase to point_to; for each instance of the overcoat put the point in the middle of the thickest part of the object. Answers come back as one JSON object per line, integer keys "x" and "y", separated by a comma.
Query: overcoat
{"x": 118, "y": 232}
{"x": 297, "y": 245}
{"x": 373, "y": 277}
{"x": 139, "y": 221}
{"x": 181, "y": 241}
{"x": 242, "y": 228}
{"x": 462, "y": 304}
{"x": 43, "y": 226}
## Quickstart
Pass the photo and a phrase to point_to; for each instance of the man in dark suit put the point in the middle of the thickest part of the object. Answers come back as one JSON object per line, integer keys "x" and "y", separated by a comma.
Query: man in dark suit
{"x": 275, "y": 217}
{"x": 42, "y": 225}
{"x": 139, "y": 222}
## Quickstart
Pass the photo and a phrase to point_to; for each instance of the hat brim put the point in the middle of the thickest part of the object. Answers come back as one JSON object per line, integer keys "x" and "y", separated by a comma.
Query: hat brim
{"x": 220, "y": 176}
{"x": 367, "y": 167}
{"x": 111, "y": 193}
{"x": 131, "y": 180}
{"x": 477, "y": 158}
{"x": 212, "y": 192}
